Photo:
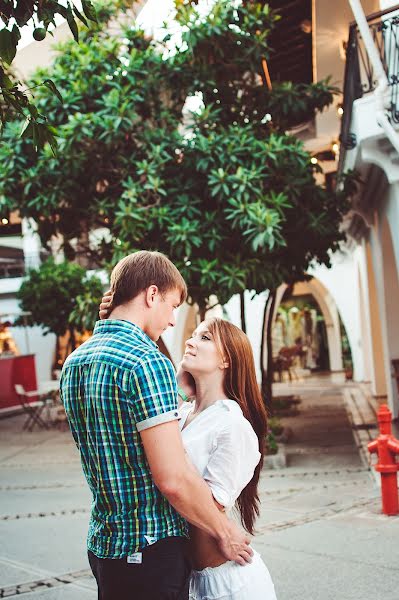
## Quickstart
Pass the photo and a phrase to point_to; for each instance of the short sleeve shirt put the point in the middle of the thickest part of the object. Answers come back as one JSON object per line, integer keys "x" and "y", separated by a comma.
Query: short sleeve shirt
{"x": 115, "y": 385}
{"x": 223, "y": 446}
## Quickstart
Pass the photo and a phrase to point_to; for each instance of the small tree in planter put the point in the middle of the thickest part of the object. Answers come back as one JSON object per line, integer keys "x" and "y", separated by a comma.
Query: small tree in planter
{"x": 61, "y": 298}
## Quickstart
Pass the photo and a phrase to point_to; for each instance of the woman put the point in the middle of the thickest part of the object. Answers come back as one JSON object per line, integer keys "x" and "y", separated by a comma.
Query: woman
{"x": 223, "y": 432}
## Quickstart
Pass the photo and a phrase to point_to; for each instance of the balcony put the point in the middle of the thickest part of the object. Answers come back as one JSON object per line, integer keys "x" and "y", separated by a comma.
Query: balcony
{"x": 359, "y": 121}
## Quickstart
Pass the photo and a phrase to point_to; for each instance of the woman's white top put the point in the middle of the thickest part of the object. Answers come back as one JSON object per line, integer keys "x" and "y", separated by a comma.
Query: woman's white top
{"x": 222, "y": 445}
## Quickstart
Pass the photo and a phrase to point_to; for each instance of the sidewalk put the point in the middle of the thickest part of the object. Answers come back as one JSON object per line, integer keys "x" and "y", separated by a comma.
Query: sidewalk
{"x": 320, "y": 532}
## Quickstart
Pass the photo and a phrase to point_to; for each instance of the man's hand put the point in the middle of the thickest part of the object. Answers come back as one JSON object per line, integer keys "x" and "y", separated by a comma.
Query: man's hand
{"x": 236, "y": 546}
{"x": 105, "y": 306}
{"x": 186, "y": 382}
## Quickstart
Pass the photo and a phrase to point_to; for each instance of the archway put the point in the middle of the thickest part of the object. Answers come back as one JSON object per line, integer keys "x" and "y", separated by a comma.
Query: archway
{"x": 307, "y": 317}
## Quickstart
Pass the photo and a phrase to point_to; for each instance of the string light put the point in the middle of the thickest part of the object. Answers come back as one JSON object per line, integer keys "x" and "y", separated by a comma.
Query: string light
{"x": 314, "y": 160}
{"x": 340, "y": 110}
{"x": 4, "y": 221}
{"x": 335, "y": 147}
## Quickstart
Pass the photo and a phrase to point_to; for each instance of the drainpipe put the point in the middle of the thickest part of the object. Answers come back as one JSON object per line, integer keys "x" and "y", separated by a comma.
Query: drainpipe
{"x": 382, "y": 85}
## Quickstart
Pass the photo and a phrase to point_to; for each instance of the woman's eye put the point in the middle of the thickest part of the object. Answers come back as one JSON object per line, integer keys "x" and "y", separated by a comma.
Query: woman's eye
{"x": 205, "y": 337}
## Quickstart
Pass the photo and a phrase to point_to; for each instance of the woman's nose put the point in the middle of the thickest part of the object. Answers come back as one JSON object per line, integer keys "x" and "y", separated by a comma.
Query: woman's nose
{"x": 190, "y": 342}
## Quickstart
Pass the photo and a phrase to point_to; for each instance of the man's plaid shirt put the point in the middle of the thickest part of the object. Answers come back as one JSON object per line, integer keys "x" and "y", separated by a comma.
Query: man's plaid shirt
{"x": 113, "y": 386}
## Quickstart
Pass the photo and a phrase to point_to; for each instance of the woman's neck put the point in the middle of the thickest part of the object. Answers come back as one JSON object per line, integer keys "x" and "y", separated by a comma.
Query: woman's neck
{"x": 207, "y": 391}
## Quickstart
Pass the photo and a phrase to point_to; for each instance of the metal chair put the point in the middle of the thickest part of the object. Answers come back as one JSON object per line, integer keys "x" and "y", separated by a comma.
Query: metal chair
{"x": 33, "y": 410}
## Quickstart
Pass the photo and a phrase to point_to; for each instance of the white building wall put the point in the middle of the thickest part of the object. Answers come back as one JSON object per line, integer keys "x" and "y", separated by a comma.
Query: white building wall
{"x": 341, "y": 280}
{"x": 254, "y": 310}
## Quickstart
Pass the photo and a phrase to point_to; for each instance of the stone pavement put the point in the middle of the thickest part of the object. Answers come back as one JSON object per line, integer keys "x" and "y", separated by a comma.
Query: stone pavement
{"x": 320, "y": 532}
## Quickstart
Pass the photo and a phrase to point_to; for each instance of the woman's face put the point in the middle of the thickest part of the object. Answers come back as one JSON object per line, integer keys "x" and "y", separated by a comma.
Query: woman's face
{"x": 201, "y": 354}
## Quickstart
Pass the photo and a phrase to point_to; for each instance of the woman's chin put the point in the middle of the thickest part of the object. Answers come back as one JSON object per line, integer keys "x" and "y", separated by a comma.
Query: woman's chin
{"x": 185, "y": 365}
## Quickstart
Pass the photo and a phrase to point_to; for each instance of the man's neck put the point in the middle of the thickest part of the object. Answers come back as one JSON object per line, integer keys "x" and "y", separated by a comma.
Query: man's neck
{"x": 130, "y": 313}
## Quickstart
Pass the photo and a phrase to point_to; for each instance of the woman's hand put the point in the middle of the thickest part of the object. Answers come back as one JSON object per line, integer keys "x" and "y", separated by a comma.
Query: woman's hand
{"x": 235, "y": 546}
{"x": 185, "y": 382}
{"x": 105, "y": 306}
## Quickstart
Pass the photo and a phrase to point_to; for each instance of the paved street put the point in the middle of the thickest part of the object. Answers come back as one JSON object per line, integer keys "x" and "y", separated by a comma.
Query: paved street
{"x": 321, "y": 532}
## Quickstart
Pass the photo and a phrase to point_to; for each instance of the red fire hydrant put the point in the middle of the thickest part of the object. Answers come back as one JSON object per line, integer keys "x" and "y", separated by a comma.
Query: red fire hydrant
{"x": 387, "y": 448}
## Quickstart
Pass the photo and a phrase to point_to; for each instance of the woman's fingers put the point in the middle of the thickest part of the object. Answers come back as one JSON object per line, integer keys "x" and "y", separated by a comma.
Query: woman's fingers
{"x": 105, "y": 306}
{"x": 247, "y": 554}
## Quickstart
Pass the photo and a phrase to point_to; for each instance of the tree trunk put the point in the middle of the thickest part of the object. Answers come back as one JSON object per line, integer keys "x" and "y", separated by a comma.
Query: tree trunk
{"x": 57, "y": 357}
{"x": 269, "y": 342}
{"x": 72, "y": 338}
{"x": 242, "y": 308}
{"x": 202, "y": 312}
{"x": 267, "y": 374}
{"x": 83, "y": 246}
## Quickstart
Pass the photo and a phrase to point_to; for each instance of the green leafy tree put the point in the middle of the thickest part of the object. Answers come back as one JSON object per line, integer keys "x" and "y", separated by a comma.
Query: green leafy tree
{"x": 61, "y": 298}
{"x": 226, "y": 192}
{"x": 14, "y": 97}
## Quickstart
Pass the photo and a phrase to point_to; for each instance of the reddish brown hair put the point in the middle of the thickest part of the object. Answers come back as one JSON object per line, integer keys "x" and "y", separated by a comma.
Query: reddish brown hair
{"x": 240, "y": 384}
{"x": 137, "y": 272}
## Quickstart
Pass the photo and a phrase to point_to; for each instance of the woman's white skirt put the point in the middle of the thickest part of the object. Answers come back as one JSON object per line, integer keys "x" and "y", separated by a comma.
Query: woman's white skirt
{"x": 231, "y": 581}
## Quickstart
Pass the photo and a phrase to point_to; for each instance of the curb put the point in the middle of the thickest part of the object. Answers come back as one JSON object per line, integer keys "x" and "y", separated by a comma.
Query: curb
{"x": 363, "y": 420}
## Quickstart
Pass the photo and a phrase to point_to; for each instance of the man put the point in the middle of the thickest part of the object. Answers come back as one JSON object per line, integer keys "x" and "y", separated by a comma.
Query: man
{"x": 120, "y": 396}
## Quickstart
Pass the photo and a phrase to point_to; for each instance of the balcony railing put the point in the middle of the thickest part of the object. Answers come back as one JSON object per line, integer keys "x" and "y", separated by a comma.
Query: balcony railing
{"x": 360, "y": 78}
{"x": 12, "y": 268}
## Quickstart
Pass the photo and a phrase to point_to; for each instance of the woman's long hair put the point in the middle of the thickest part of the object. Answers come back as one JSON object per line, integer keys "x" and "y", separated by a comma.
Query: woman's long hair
{"x": 240, "y": 385}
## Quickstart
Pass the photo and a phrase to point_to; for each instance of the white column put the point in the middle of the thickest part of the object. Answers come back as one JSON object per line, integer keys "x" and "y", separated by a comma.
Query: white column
{"x": 31, "y": 243}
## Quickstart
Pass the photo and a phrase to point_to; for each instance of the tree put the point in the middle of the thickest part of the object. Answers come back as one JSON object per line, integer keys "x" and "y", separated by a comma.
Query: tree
{"x": 226, "y": 192}
{"x": 17, "y": 14}
{"x": 61, "y": 298}
{"x": 112, "y": 119}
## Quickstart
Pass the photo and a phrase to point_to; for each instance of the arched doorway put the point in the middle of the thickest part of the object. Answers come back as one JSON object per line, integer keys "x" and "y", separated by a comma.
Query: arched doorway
{"x": 299, "y": 323}
{"x": 307, "y": 318}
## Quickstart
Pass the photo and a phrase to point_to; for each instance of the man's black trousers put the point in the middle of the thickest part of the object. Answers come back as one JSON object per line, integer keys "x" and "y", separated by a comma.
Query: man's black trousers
{"x": 163, "y": 574}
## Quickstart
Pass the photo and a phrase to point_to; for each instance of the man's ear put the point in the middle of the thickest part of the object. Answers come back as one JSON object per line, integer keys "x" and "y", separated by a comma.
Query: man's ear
{"x": 150, "y": 295}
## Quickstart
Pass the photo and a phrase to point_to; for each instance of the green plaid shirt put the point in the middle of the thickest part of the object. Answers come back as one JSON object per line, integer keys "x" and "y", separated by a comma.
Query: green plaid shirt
{"x": 113, "y": 386}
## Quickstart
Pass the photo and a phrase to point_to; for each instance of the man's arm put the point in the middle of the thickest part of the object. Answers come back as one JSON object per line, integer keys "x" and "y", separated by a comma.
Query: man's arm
{"x": 187, "y": 492}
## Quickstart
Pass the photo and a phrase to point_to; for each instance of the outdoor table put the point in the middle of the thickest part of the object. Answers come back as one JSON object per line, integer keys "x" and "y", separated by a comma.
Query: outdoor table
{"x": 49, "y": 390}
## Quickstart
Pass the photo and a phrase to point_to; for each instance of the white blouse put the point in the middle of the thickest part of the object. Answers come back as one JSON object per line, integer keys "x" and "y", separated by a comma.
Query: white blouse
{"x": 222, "y": 445}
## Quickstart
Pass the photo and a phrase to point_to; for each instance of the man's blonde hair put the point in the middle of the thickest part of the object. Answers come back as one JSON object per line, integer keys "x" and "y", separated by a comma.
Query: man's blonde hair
{"x": 138, "y": 271}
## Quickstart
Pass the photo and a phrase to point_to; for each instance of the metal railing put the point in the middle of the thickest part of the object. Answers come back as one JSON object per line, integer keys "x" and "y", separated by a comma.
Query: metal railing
{"x": 12, "y": 268}
{"x": 360, "y": 78}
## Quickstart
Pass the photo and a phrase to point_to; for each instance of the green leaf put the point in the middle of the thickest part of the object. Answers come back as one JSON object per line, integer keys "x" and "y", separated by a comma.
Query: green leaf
{"x": 89, "y": 10}
{"x": 72, "y": 25}
{"x": 23, "y": 11}
{"x": 25, "y": 126}
{"x": 80, "y": 16}
{"x": 51, "y": 86}
{"x": 33, "y": 110}
{"x": 8, "y": 46}
{"x": 5, "y": 81}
